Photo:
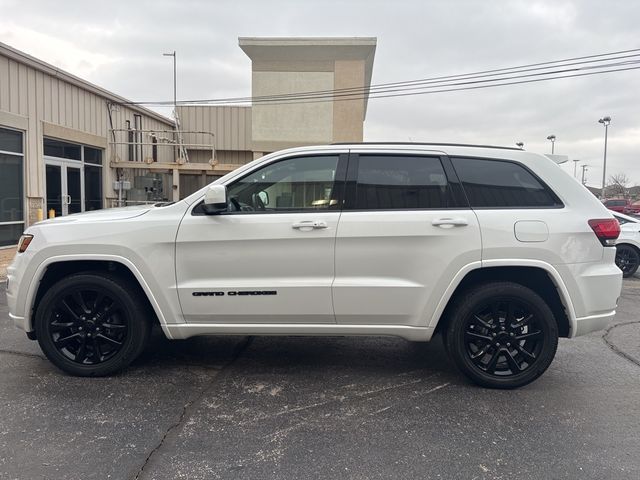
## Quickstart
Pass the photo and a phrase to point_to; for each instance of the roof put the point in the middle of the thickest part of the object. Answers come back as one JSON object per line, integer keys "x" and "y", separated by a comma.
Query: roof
{"x": 33, "y": 62}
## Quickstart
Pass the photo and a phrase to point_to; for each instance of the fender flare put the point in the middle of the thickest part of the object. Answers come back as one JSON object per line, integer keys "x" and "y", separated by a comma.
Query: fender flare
{"x": 563, "y": 292}
{"x": 42, "y": 267}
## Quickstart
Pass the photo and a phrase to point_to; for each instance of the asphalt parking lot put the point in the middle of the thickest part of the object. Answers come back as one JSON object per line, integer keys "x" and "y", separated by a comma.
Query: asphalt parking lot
{"x": 258, "y": 407}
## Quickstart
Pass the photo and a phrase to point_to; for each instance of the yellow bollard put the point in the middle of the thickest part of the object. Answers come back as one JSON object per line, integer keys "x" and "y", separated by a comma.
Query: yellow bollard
{"x": 39, "y": 215}
{"x": 52, "y": 213}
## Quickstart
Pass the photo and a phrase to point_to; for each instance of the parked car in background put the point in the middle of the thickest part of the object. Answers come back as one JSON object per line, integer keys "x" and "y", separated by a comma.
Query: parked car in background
{"x": 634, "y": 208}
{"x": 620, "y": 205}
{"x": 628, "y": 244}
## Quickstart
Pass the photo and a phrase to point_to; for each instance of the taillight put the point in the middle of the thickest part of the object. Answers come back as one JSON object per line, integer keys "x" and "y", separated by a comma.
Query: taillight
{"x": 606, "y": 229}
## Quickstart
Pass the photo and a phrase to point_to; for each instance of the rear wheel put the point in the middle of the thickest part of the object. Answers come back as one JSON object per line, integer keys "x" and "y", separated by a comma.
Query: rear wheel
{"x": 502, "y": 335}
{"x": 92, "y": 324}
{"x": 627, "y": 259}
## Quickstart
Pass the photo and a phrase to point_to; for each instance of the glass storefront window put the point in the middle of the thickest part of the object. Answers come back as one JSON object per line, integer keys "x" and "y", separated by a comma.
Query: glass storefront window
{"x": 11, "y": 187}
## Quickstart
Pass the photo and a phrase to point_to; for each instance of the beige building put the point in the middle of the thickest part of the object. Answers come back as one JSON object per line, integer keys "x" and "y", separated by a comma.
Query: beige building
{"x": 67, "y": 145}
{"x": 281, "y": 67}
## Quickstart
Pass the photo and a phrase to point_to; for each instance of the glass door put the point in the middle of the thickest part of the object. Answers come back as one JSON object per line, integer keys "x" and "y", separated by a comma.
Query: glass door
{"x": 54, "y": 190}
{"x": 65, "y": 187}
{"x": 74, "y": 190}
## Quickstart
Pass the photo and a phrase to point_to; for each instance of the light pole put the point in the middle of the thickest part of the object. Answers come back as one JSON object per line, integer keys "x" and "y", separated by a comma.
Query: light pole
{"x": 575, "y": 167}
{"x": 605, "y": 121}
{"x": 175, "y": 106}
{"x": 584, "y": 169}
{"x": 552, "y": 138}
{"x": 520, "y": 145}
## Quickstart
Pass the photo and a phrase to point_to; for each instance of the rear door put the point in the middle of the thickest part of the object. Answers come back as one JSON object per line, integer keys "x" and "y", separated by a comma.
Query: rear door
{"x": 405, "y": 231}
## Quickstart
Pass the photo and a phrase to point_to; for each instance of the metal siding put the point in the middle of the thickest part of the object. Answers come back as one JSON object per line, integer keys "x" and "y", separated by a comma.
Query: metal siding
{"x": 4, "y": 84}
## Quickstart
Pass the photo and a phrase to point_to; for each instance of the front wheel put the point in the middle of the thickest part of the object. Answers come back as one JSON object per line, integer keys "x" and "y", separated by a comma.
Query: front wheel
{"x": 92, "y": 324}
{"x": 502, "y": 335}
{"x": 627, "y": 259}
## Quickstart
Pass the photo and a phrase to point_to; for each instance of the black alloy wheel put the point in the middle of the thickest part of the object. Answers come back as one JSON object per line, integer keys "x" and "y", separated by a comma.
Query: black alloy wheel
{"x": 502, "y": 335}
{"x": 627, "y": 259}
{"x": 91, "y": 324}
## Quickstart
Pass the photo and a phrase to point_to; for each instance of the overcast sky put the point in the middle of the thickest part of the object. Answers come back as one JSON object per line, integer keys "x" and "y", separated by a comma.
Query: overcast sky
{"x": 119, "y": 44}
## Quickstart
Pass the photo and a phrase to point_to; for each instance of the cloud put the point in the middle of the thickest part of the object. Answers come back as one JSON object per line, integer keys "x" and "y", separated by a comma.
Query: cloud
{"x": 119, "y": 45}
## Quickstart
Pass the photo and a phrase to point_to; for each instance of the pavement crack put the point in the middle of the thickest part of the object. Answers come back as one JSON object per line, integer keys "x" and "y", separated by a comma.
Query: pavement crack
{"x": 22, "y": 354}
{"x": 614, "y": 348}
{"x": 242, "y": 346}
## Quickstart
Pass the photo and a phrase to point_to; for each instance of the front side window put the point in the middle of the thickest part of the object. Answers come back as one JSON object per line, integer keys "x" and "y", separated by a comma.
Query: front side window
{"x": 388, "y": 182}
{"x": 502, "y": 184}
{"x": 295, "y": 184}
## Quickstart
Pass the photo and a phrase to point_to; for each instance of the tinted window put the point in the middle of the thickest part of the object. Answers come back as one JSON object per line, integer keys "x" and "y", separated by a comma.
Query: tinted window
{"x": 11, "y": 188}
{"x": 92, "y": 155}
{"x": 10, "y": 141}
{"x": 495, "y": 183}
{"x": 56, "y": 148}
{"x": 401, "y": 182}
{"x": 302, "y": 183}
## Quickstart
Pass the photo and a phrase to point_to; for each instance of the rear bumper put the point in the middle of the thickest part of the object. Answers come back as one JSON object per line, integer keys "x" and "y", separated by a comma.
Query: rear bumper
{"x": 593, "y": 323}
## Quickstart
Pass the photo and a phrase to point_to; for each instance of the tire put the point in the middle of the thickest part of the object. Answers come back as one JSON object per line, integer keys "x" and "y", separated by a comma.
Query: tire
{"x": 627, "y": 259}
{"x": 92, "y": 324}
{"x": 501, "y": 335}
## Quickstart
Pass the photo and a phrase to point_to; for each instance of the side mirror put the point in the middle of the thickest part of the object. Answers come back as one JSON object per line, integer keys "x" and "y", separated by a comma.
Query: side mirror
{"x": 264, "y": 196}
{"x": 215, "y": 200}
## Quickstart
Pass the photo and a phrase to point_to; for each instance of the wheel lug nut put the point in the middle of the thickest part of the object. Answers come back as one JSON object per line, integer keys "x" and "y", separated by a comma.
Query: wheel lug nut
{"x": 508, "y": 344}
{"x": 493, "y": 334}
{"x": 501, "y": 328}
{"x": 498, "y": 344}
{"x": 80, "y": 328}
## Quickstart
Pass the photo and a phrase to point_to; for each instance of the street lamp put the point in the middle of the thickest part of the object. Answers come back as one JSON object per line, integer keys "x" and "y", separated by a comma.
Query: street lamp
{"x": 584, "y": 169}
{"x": 175, "y": 106}
{"x": 575, "y": 166}
{"x": 605, "y": 121}
{"x": 552, "y": 138}
{"x": 520, "y": 145}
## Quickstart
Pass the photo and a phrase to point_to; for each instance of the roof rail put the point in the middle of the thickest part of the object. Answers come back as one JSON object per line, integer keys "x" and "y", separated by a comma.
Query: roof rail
{"x": 428, "y": 144}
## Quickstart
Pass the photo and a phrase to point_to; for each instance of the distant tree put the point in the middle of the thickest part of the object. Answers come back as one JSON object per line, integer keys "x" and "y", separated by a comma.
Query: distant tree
{"x": 618, "y": 185}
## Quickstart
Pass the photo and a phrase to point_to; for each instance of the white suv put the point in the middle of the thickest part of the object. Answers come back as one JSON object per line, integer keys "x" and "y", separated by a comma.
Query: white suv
{"x": 496, "y": 248}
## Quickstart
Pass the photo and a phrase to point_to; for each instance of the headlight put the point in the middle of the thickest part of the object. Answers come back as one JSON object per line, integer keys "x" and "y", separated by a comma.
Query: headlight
{"x": 24, "y": 242}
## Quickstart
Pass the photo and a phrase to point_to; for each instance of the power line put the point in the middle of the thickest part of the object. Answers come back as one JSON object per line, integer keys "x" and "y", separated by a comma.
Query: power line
{"x": 473, "y": 80}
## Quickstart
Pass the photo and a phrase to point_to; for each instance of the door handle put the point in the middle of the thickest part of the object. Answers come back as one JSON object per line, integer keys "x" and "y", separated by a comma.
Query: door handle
{"x": 450, "y": 222}
{"x": 67, "y": 199}
{"x": 309, "y": 224}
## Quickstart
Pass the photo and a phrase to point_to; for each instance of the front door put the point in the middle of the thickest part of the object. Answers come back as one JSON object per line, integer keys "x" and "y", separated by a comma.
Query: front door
{"x": 270, "y": 257}
{"x": 64, "y": 188}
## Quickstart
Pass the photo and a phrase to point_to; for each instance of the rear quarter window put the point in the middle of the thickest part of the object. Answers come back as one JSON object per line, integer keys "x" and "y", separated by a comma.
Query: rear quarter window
{"x": 490, "y": 183}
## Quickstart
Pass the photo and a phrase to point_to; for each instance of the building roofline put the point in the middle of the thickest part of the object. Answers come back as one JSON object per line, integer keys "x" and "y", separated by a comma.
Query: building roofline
{"x": 36, "y": 63}
{"x": 304, "y": 41}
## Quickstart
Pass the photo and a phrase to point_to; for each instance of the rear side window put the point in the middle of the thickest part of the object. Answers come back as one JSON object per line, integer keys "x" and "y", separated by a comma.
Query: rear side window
{"x": 387, "y": 182}
{"x": 502, "y": 184}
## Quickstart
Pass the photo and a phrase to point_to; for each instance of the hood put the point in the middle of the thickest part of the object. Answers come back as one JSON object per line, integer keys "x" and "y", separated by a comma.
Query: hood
{"x": 104, "y": 215}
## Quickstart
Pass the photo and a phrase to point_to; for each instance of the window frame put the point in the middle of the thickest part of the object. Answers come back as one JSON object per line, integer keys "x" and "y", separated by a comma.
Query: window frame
{"x": 351, "y": 184}
{"x": 559, "y": 203}
{"x": 338, "y": 186}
